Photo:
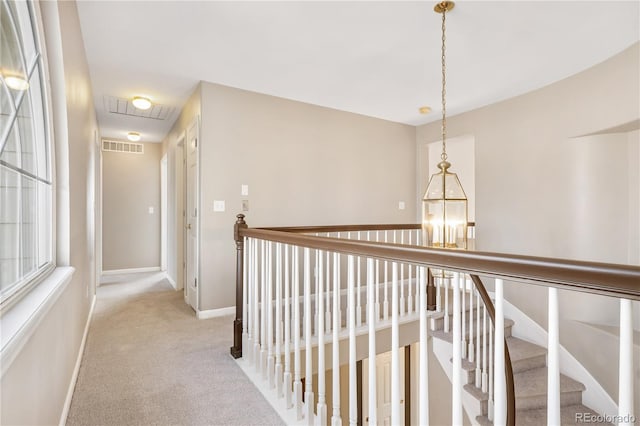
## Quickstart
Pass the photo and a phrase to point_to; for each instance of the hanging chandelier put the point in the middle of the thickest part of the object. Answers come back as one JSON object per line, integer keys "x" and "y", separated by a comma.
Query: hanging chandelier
{"x": 444, "y": 205}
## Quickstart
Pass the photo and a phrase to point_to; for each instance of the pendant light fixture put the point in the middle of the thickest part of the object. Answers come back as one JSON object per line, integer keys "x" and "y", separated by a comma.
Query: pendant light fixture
{"x": 444, "y": 205}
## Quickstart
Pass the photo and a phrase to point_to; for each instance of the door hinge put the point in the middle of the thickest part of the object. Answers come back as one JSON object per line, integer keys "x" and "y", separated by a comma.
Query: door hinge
{"x": 195, "y": 213}
{"x": 196, "y": 142}
{"x": 196, "y": 281}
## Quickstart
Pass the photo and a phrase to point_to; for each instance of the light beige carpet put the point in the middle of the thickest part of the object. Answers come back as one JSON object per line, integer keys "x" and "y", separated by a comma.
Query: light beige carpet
{"x": 149, "y": 361}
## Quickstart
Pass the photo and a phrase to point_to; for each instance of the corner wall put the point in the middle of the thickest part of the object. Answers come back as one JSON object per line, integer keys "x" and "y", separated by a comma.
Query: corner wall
{"x": 304, "y": 165}
{"x": 36, "y": 385}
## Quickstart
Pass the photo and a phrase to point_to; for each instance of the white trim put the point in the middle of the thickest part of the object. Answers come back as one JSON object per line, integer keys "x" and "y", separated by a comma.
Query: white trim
{"x": 22, "y": 320}
{"x": 76, "y": 370}
{"x": 131, "y": 271}
{"x": 171, "y": 281}
{"x": 214, "y": 313}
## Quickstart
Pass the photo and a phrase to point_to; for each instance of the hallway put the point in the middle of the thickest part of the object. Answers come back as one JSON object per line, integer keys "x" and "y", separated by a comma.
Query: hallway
{"x": 148, "y": 360}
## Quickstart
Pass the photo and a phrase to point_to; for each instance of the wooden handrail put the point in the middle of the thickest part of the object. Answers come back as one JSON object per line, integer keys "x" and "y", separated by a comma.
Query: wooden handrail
{"x": 607, "y": 279}
{"x": 508, "y": 368}
{"x": 347, "y": 228}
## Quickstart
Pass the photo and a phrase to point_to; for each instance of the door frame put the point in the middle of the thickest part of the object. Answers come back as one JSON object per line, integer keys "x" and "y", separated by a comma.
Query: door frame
{"x": 194, "y": 127}
{"x": 164, "y": 210}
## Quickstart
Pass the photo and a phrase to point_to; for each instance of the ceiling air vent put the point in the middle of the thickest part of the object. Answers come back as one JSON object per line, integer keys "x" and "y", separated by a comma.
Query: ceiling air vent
{"x": 124, "y": 106}
{"x": 126, "y": 147}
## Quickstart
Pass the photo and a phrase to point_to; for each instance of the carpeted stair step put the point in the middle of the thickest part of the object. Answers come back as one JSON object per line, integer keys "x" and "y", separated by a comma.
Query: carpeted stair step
{"x": 524, "y": 356}
{"x": 574, "y": 415}
{"x": 531, "y": 391}
{"x": 448, "y": 337}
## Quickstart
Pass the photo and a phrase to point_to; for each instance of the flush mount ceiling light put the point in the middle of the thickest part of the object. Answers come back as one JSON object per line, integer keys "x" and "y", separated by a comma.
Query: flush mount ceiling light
{"x": 141, "y": 102}
{"x": 16, "y": 82}
{"x": 133, "y": 136}
{"x": 444, "y": 205}
{"x": 424, "y": 109}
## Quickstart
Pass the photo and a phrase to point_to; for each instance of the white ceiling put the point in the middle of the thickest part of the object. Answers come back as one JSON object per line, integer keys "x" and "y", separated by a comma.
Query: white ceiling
{"x": 380, "y": 59}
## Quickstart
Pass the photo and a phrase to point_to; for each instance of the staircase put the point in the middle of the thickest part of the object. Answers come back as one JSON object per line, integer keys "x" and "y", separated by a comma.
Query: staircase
{"x": 529, "y": 363}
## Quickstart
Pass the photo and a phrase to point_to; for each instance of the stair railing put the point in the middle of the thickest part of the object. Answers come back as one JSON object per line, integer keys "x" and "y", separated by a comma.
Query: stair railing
{"x": 302, "y": 266}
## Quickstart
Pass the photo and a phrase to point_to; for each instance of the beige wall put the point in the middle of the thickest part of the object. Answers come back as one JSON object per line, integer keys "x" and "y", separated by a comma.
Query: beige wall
{"x": 35, "y": 386}
{"x": 130, "y": 186}
{"x": 544, "y": 188}
{"x": 304, "y": 164}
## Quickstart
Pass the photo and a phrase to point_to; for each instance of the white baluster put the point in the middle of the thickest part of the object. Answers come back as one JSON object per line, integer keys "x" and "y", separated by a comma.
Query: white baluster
{"x": 485, "y": 377}
{"x": 377, "y": 290}
{"x": 456, "y": 395}
{"x": 373, "y": 401}
{"x": 463, "y": 335}
{"x": 247, "y": 347}
{"x": 446, "y": 301}
{"x": 278, "y": 368}
{"x": 490, "y": 402}
{"x": 471, "y": 348}
{"x": 297, "y": 377}
{"x": 410, "y": 307}
{"x": 245, "y": 297}
{"x": 256, "y": 309}
{"x": 395, "y": 342}
{"x": 287, "y": 332}
{"x": 625, "y": 378}
{"x": 553, "y": 361}
{"x": 271, "y": 361}
{"x": 316, "y": 297}
{"x": 437, "y": 282}
{"x": 327, "y": 325}
{"x": 402, "y": 299}
{"x": 335, "y": 417}
{"x": 478, "y": 345}
{"x": 353, "y": 390}
{"x": 308, "y": 395}
{"x": 423, "y": 394}
{"x": 358, "y": 291}
{"x": 385, "y": 306}
{"x": 263, "y": 313}
{"x": 322, "y": 402}
{"x": 500, "y": 384}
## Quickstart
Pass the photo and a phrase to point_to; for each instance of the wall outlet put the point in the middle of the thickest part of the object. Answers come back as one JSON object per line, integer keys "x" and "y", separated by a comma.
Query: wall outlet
{"x": 151, "y": 210}
{"x": 244, "y": 190}
{"x": 218, "y": 206}
{"x": 401, "y": 205}
{"x": 245, "y": 205}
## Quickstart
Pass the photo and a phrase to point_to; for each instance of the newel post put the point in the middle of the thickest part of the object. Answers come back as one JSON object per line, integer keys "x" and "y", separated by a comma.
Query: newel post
{"x": 236, "y": 349}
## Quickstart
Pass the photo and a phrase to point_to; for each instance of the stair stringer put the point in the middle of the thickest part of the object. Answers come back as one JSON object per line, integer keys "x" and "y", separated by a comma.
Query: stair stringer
{"x": 527, "y": 329}
{"x": 443, "y": 350}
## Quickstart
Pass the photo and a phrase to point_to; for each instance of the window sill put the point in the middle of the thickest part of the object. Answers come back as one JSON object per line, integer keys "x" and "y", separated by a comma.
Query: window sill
{"x": 22, "y": 319}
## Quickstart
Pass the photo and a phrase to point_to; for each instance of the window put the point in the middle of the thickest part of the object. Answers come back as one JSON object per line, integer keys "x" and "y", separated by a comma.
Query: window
{"x": 26, "y": 188}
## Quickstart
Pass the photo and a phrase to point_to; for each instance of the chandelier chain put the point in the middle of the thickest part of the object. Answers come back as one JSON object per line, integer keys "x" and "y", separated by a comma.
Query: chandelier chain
{"x": 443, "y": 156}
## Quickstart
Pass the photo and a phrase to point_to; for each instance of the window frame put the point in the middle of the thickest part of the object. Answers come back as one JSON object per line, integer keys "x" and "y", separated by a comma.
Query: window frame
{"x": 31, "y": 280}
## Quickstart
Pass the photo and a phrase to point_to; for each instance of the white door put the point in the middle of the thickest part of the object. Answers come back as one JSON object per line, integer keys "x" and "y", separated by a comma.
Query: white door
{"x": 192, "y": 219}
{"x": 383, "y": 388}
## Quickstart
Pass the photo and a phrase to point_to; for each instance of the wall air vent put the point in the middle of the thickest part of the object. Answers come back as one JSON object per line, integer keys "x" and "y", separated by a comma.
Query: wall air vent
{"x": 123, "y": 106}
{"x": 126, "y": 147}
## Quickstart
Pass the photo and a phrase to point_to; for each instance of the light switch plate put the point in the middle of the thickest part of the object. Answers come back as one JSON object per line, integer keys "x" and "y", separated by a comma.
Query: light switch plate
{"x": 401, "y": 205}
{"x": 245, "y": 205}
{"x": 218, "y": 206}
{"x": 151, "y": 210}
{"x": 244, "y": 190}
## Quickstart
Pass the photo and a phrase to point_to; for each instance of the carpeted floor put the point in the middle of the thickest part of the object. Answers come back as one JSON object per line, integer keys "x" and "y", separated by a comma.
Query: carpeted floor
{"x": 149, "y": 361}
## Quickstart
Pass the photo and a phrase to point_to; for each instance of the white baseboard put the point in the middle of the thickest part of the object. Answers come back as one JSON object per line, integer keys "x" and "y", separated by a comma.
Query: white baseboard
{"x": 171, "y": 281}
{"x": 76, "y": 370}
{"x": 214, "y": 313}
{"x": 131, "y": 270}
